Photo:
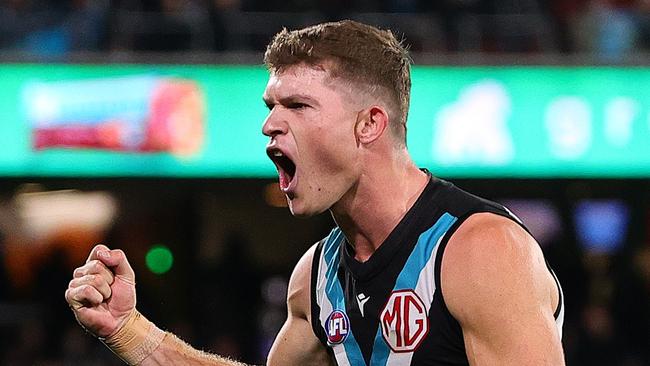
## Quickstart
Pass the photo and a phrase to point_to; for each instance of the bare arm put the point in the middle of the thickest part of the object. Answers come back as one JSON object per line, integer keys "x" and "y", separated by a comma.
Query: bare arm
{"x": 496, "y": 284}
{"x": 174, "y": 351}
{"x": 102, "y": 297}
{"x": 296, "y": 343}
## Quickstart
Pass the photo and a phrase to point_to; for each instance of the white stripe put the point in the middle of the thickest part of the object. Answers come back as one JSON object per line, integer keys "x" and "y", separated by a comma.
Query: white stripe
{"x": 321, "y": 280}
{"x": 340, "y": 355}
{"x": 326, "y": 307}
{"x": 425, "y": 289}
{"x": 512, "y": 214}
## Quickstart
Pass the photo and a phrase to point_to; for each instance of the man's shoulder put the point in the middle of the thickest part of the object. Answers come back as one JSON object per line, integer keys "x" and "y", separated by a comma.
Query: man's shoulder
{"x": 485, "y": 257}
{"x": 298, "y": 293}
{"x": 302, "y": 270}
{"x": 497, "y": 285}
{"x": 490, "y": 239}
{"x": 487, "y": 233}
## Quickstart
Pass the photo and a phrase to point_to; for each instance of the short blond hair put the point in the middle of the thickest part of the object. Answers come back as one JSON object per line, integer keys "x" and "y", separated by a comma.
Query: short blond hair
{"x": 371, "y": 59}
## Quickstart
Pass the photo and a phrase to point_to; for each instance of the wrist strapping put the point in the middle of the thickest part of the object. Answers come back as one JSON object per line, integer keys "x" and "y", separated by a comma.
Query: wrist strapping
{"x": 135, "y": 340}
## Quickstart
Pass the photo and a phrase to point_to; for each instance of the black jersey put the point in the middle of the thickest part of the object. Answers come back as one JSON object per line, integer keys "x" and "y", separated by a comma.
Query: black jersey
{"x": 389, "y": 310}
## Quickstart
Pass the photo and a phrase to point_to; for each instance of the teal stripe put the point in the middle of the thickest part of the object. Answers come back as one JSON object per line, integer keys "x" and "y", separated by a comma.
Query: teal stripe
{"x": 334, "y": 293}
{"x": 410, "y": 274}
{"x": 418, "y": 259}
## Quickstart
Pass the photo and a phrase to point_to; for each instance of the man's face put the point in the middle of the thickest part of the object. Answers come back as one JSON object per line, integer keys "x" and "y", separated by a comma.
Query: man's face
{"x": 313, "y": 142}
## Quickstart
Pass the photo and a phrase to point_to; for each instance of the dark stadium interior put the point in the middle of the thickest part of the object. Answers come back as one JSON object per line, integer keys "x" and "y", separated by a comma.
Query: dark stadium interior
{"x": 223, "y": 229}
{"x": 53, "y": 29}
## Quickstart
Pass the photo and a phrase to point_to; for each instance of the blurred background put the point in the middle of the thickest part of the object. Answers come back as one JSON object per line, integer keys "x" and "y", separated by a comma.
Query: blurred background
{"x": 137, "y": 124}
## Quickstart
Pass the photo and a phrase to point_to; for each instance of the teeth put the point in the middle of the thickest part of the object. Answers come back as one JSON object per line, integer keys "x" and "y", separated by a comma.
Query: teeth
{"x": 277, "y": 153}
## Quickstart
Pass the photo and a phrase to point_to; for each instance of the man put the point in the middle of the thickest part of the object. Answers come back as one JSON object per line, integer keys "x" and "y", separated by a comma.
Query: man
{"x": 377, "y": 290}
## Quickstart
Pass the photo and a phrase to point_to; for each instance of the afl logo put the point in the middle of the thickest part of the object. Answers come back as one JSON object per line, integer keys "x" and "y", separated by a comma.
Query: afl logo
{"x": 404, "y": 321}
{"x": 337, "y": 327}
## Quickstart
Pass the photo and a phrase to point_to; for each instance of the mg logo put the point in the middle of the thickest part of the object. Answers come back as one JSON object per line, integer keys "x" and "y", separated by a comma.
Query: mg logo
{"x": 337, "y": 327}
{"x": 404, "y": 322}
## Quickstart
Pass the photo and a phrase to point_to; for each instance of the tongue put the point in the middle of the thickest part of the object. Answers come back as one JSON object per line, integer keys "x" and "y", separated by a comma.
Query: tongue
{"x": 285, "y": 179}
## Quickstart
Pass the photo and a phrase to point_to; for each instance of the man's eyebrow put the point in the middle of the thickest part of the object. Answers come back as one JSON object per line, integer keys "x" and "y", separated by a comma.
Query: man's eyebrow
{"x": 289, "y": 99}
{"x": 293, "y": 98}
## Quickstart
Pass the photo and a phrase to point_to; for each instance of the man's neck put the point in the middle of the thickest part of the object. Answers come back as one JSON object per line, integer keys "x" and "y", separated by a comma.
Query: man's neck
{"x": 373, "y": 208}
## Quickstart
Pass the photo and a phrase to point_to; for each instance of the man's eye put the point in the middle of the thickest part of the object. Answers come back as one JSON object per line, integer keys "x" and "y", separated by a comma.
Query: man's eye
{"x": 269, "y": 106}
{"x": 297, "y": 105}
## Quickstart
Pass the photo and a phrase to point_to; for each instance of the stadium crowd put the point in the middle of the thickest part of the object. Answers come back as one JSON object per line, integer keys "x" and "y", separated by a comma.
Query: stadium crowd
{"x": 609, "y": 29}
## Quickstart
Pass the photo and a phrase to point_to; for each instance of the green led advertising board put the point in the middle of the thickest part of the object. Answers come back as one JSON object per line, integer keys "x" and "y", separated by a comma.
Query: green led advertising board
{"x": 205, "y": 121}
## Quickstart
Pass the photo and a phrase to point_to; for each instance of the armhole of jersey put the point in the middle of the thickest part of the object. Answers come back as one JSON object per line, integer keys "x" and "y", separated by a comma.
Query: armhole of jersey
{"x": 452, "y": 230}
{"x": 560, "y": 299}
{"x": 315, "y": 308}
{"x": 441, "y": 251}
{"x": 508, "y": 214}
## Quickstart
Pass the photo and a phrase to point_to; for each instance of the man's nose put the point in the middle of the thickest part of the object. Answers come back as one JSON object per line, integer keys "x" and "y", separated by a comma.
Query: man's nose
{"x": 274, "y": 124}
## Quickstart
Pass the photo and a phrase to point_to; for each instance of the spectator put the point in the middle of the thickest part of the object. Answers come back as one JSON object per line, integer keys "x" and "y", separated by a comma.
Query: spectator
{"x": 52, "y": 29}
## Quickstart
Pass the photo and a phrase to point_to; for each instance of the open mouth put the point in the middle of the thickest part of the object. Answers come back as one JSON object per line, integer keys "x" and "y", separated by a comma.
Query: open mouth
{"x": 286, "y": 168}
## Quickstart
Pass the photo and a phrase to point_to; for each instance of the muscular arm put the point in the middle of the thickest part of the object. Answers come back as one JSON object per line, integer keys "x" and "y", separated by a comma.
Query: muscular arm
{"x": 102, "y": 297}
{"x": 496, "y": 284}
{"x": 173, "y": 351}
{"x": 294, "y": 345}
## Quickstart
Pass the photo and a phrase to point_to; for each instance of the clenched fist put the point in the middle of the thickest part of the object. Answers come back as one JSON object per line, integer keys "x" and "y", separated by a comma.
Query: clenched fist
{"x": 102, "y": 292}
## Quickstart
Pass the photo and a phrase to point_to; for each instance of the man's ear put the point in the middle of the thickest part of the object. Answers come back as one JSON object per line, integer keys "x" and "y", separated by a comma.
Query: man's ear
{"x": 371, "y": 124}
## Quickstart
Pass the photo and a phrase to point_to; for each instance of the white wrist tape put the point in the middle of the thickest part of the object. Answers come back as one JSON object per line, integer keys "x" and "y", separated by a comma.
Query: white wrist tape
{"x": 136, "y": 339}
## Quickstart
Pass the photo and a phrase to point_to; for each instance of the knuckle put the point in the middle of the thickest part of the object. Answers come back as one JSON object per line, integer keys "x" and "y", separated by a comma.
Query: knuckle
{"x": 94, "y": 264}
{"x": 120, "y": 253}
{"x": 72, "y": 284}
{"x": 93, "y": 280}
{"x": 86, "y": 291}
{"x": 100, "y": 284}
{"x": 75, "y": 294}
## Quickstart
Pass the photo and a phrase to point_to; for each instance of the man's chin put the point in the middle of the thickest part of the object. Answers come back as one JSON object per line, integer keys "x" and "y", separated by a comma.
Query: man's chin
{"x": 301, "y": 211}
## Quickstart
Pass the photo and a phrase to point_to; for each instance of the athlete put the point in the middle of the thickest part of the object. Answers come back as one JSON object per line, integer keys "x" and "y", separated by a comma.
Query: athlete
{"x": 416, "y": 271}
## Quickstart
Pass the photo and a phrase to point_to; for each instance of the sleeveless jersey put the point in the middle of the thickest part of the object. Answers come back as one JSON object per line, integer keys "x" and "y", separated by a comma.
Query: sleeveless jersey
{"x": 389, "y": 310}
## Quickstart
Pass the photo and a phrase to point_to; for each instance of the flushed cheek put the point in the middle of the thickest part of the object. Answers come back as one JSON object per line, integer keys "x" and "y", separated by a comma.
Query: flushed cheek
{"x": 312, "y": 188}
{"x": 331, "y": 156}
{"x": 323, "y": 164}
{"x": 321, "y": 187}
{"x": 311, "y": 180}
